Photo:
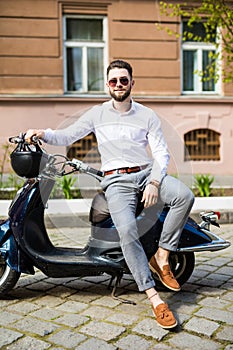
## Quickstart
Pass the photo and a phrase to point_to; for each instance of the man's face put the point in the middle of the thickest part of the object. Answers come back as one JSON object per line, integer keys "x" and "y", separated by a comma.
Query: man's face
{"x": 119, "y": 84}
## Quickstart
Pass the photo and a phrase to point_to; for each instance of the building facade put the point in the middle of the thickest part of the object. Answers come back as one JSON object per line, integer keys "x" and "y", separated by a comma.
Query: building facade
{"x": 53, "y": 59}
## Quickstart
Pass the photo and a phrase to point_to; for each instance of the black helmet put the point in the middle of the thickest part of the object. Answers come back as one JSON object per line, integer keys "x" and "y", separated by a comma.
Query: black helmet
{"x": 28, "y": 160}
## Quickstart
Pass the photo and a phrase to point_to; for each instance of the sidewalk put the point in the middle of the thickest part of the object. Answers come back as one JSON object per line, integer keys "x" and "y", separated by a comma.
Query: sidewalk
{"x": 64, "y": 208}
{"x": 79, "y": 313}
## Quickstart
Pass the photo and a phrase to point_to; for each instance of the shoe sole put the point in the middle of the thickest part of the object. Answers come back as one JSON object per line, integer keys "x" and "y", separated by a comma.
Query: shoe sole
{"x": 168, "y": 327}
{"x": 155, "y": 271}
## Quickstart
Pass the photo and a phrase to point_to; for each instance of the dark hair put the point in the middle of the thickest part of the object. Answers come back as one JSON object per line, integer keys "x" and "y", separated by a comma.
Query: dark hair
{"x": 120, "y": 64}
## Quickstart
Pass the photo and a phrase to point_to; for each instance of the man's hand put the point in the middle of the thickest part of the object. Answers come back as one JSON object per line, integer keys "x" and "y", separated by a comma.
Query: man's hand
{"x": 34, "y": 132}
{"x": 150, "y": 195}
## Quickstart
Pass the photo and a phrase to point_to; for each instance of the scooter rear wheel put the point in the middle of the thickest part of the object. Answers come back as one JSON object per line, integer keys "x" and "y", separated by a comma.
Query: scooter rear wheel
{"x": 182, "y": 266}
{"x": 8, "y": 277}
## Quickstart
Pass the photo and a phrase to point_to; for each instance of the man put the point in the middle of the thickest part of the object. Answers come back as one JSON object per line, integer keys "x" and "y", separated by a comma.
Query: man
{"x": 124, "y": 129}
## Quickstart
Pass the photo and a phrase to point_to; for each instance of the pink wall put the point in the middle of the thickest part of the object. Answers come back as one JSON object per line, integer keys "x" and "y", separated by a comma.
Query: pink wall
{"x": 178, "y": 116}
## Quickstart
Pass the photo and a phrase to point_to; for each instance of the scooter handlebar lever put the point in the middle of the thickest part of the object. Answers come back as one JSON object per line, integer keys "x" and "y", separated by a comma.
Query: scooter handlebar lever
{"x": 16, "y": 139}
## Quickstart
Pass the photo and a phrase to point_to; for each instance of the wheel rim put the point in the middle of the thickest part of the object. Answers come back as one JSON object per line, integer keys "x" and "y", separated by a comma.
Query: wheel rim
{"x": 178, "y": 264}
{"x": 4, "y": 270}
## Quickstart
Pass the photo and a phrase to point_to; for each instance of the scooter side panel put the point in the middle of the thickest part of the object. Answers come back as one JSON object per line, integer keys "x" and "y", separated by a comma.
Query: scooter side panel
{"x": 8, "y": 247}
{"x": 192, "y": 235}
{"x": 10, "y": 252}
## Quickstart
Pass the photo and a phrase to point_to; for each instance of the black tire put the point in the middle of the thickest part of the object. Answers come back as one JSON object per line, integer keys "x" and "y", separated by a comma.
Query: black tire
{"x": 8, "y": 277}
{"x": 182, "y": 266}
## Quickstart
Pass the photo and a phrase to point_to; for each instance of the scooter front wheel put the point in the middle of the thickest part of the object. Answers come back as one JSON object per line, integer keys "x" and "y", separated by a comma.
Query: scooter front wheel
{"x": 8, "y": 277}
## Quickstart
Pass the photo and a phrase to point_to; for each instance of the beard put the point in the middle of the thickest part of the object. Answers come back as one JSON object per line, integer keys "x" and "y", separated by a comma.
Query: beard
{"x": 121, "y": 97}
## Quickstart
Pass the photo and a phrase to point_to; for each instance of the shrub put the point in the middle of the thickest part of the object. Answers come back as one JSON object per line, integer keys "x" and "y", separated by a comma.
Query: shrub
{"x": 203, "y": 184}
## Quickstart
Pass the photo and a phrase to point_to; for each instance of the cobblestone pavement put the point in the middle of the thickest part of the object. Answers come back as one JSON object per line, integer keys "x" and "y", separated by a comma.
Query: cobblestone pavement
{"x": 79, "y": 313}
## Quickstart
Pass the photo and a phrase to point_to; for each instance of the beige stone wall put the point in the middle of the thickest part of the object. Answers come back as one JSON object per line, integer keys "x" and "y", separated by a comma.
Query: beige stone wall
{"x": 31, "y": 73}
{"x": 31, "y": 57}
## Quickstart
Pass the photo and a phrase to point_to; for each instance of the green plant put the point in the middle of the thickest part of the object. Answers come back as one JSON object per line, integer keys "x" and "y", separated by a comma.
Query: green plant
{"x": 57, "y": 191}
{"x": 5, "y": 158}
{"x": 174, "y": 175}
{"x": 64, "y": 188}
{"x": 13, "y": 181}
{"x": 216, "y": 17}
{"x": 222, "y": 192}
{"x": 67, "y": 182}
{"x": 203, "y": 183}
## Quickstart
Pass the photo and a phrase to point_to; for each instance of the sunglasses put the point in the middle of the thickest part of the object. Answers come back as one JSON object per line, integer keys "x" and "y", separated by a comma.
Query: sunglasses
{"x": 123, "y": 81}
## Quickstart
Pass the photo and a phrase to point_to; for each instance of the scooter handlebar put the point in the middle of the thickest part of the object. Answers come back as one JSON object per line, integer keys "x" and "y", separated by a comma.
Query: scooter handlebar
{"x": 95, "y": 172}
{"x": 21, "y": 139}
{"x": 79, "y": 165}
{"x": 75, "y": 163}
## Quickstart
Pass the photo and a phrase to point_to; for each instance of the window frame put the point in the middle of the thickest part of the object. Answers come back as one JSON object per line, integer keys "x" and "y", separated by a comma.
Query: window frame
{"x": 84, "y": 45}
{"x": 199, "y": 47}
{"x": 197, "y": 140}
{"x": 85, "y": 149}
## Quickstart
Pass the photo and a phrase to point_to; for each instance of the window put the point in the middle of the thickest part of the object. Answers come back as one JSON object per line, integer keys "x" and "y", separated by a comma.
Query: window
{"x": 85, "y": 53}
{"x": 196, "y": 57}
{"x": 202, "y": 144}
{"x": 85, "y": 149}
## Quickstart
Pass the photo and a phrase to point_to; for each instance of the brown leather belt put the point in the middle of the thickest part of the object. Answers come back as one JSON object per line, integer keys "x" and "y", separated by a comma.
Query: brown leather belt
{"x": 126, "y": 170}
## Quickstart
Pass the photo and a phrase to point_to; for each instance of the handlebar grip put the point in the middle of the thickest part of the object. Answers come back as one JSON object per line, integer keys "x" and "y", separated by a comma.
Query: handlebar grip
{"x": 95, "y": 172}
{"x": 36, "y": 140}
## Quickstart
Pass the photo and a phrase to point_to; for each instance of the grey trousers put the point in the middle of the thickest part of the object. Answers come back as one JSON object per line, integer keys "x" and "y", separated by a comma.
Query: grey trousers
{"x": 121, "y": 191}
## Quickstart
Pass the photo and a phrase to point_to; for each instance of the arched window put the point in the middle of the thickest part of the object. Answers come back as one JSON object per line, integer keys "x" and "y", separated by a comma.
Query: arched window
{"x": 202, "y": 144}
{"x": 85, "y": 149}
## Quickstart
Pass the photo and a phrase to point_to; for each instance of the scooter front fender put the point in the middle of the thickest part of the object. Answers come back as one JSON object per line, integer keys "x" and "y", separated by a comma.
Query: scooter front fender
{"x": 10, "y": 252}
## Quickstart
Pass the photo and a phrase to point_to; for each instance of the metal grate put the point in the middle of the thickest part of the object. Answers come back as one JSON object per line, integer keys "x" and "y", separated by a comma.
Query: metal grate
{"x": 202, "y": 144}
{"x": 85, "y": 148}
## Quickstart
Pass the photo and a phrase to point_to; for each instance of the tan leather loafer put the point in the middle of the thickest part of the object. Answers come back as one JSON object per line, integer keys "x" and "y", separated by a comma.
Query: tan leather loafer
{"x": 165, "y": 275}
{"x": 164, "y": 316}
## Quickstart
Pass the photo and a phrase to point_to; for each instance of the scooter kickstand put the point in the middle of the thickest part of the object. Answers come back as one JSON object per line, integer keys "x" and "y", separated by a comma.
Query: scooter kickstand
{"x": 110, "y": 283}
{"x": 113, "y": 294}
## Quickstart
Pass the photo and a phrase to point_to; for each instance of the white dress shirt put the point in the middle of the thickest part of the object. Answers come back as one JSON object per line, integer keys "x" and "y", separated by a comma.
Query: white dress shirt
{"x": 123, "y": 138}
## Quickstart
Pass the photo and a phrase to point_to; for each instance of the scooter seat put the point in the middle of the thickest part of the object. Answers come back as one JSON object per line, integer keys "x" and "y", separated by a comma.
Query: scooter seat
{"x": 99, "y": 211}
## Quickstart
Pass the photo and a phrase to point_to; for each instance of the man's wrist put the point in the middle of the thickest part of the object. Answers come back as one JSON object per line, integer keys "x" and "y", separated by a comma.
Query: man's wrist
{"x": 154, "y": 183}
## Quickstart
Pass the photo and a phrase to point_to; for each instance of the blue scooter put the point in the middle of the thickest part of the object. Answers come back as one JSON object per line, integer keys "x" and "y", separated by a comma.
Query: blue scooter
{"x": 25, "y": 243}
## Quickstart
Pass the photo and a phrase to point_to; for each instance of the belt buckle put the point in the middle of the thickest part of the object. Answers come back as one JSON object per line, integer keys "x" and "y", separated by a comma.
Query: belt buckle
{"x": 122, "y": 171}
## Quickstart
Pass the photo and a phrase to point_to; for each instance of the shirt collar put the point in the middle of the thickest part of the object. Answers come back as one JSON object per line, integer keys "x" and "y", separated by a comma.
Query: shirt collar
{"x": 132, "y": 109}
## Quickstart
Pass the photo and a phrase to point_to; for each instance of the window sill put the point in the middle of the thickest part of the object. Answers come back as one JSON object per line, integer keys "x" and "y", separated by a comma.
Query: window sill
{"x": 103, "y": 97}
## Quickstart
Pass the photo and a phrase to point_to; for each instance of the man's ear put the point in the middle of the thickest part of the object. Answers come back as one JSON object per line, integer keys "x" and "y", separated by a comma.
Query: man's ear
{"x": 133, "y": 82}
